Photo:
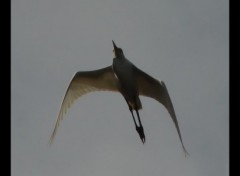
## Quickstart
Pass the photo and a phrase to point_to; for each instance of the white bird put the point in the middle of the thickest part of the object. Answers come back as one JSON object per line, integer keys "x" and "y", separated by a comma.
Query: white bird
{"x": 124, "y": 77}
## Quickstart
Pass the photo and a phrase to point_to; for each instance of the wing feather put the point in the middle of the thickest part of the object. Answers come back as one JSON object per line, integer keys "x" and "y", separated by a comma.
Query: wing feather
{"x": 83, "y": 83}
{"x": 150, "y": 87}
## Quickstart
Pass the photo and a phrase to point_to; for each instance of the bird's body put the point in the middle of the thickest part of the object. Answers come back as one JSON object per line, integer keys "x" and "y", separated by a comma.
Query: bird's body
{"x": 124, "y": 72}
{"x": 124, "y": 77}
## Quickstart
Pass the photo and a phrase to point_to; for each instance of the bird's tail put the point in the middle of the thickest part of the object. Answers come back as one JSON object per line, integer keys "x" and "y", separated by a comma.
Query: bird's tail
{"x": 136, "y": 104}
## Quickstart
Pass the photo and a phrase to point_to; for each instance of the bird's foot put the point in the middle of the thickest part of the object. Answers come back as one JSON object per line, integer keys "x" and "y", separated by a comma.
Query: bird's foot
{"x": 141, "y": 133}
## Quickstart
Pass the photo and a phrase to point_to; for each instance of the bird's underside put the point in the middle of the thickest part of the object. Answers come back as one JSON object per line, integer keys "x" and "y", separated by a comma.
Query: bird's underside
{"x": 108, "y": 79}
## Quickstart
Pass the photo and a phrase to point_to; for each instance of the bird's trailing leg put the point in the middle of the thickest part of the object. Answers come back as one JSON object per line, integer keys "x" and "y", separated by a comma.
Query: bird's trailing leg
{"x": 133, "y": 116}
{"x": 140, "y": 127}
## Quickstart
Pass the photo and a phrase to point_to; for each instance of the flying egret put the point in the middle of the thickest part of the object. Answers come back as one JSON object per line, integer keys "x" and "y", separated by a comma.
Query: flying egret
{"x": 124, "y": 77}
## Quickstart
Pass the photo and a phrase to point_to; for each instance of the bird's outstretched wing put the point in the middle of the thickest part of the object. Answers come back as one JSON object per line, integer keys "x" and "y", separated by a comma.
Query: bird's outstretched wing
{"x": 150, "y": 87}
{"x": 83, "y": 83}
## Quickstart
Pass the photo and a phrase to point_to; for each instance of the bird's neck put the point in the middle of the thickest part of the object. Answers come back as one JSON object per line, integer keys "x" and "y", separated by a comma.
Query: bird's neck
{"x": 120, "y": 56}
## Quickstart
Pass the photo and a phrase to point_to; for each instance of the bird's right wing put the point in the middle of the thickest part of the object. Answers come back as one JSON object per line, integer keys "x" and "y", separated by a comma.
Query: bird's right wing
{"x": 150, "y": 87}
{"x": 83, "y": 83}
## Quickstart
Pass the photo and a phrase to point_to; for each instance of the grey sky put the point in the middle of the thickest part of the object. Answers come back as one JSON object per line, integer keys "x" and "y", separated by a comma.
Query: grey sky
{"x": 182, "y": 42}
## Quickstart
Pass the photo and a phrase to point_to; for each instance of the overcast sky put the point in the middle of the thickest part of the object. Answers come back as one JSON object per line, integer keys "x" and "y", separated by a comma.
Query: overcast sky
{"x": 182, "y": 42}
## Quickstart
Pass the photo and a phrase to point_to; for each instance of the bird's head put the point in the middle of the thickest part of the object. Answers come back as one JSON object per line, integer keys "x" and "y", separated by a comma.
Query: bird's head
{"x": 118, "y": 52}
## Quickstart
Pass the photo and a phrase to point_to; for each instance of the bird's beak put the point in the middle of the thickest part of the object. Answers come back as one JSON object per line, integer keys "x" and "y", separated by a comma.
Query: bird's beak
{"x": 115, "y": 47}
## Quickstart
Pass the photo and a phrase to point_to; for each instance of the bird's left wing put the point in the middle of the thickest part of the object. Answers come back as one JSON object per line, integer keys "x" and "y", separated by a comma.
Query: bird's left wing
{"x": 83, "y": 83}
{"x": 150, "y": 87}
